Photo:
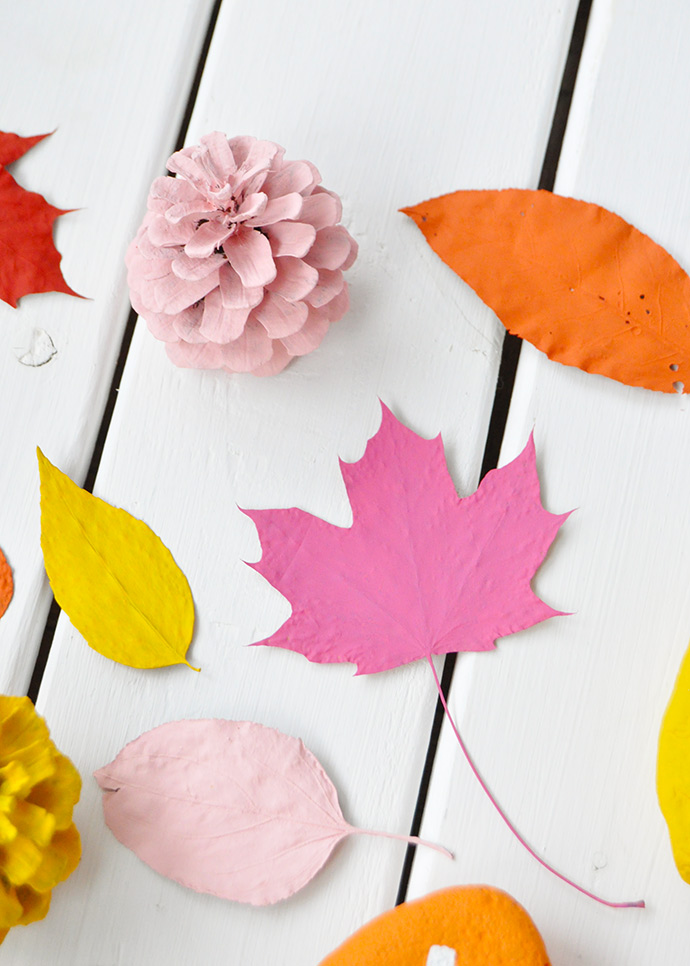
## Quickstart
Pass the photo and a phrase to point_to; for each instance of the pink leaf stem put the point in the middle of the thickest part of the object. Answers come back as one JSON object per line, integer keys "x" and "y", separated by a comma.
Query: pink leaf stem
{"x": 638, "y": 904}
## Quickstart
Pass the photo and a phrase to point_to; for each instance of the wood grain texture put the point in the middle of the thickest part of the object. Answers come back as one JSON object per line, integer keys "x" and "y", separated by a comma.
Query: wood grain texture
{"x": 393, "y": 102}
{"x": 108, "y": 78}
{"x": 563, "y": 719}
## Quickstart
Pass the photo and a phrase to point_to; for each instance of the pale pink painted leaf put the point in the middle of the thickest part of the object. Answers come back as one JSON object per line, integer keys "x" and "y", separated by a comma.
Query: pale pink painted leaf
{"x": 420, "y": 571}
{"x": 227, "y": 807}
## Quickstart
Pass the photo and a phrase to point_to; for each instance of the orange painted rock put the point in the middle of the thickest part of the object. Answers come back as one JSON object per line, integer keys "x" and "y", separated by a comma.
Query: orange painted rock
{"x": 6, "y": 584}
{"x": 474, "y": 925}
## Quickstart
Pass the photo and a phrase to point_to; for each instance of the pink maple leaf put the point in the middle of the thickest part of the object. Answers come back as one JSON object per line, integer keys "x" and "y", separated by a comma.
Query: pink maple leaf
{"x": 420, "y": 571}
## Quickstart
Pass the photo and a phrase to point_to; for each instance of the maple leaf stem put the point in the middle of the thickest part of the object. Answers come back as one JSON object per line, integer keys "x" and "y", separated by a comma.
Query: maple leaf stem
{"x": 639, "y": 904}
{"x": 410, "y": 839}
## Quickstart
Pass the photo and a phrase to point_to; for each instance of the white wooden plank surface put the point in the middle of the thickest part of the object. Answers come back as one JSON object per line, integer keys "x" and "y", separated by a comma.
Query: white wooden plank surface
{"x": 113, "y": 79}
{"x": 564, "y": 719}
{"x": 394, "y": 102}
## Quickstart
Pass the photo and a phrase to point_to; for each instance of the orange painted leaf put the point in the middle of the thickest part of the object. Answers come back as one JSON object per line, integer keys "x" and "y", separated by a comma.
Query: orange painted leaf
{"x": 572, "y": 278}
{"x": 29, "y": 260}
{"x": 6, "y": 584}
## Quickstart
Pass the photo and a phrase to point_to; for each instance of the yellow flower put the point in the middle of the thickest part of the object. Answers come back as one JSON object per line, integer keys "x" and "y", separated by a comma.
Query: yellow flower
{"x": 39, "y": 787}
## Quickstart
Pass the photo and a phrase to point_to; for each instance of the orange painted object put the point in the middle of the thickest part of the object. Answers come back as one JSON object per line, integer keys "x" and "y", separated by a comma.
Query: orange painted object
{"x": 572, "y": 278}
{"x": 482, "y": 925}
{"x": 6, "y": 584}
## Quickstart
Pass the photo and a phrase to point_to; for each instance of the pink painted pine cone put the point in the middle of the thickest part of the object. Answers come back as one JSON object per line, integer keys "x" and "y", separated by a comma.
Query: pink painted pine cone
{"x": 239, "y": 262}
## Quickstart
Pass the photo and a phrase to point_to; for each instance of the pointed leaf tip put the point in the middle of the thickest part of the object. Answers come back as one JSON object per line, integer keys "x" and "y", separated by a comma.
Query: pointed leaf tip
{"x": 13, "y": 146}
{"x": 412, "y": 211}
{"x": 113, "y": 577}
{"x": 104, "y": 781}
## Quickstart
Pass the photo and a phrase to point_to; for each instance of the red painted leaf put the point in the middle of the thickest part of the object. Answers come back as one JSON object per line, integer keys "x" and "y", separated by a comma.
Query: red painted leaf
{"x": 29, "y": 260}
{"x": 420, "y": 571}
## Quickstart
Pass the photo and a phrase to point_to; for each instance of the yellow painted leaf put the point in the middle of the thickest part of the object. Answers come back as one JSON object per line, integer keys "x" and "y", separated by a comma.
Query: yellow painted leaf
{"x": 114, "y": 578}
{"x": 673, "y": 769}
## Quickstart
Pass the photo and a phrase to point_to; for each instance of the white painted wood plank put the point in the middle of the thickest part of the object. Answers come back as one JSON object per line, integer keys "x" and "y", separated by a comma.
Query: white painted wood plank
{"x": 564, "y": 719}
{"x": 113, "y": 80}
{"x": 394, "y": 102}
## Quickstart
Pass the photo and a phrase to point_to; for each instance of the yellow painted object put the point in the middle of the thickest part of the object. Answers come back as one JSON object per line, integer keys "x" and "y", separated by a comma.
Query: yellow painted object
{"x": 473, "y": 925}
{"x": 39, "y": 787}
{"x": 114, "y": 578}
{"x": 673, "y": 768}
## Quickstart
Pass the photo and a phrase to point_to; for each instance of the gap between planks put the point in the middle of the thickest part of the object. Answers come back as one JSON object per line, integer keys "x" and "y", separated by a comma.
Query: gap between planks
{"x": 54, "y": 612}
{"x": 510, "y": 357}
